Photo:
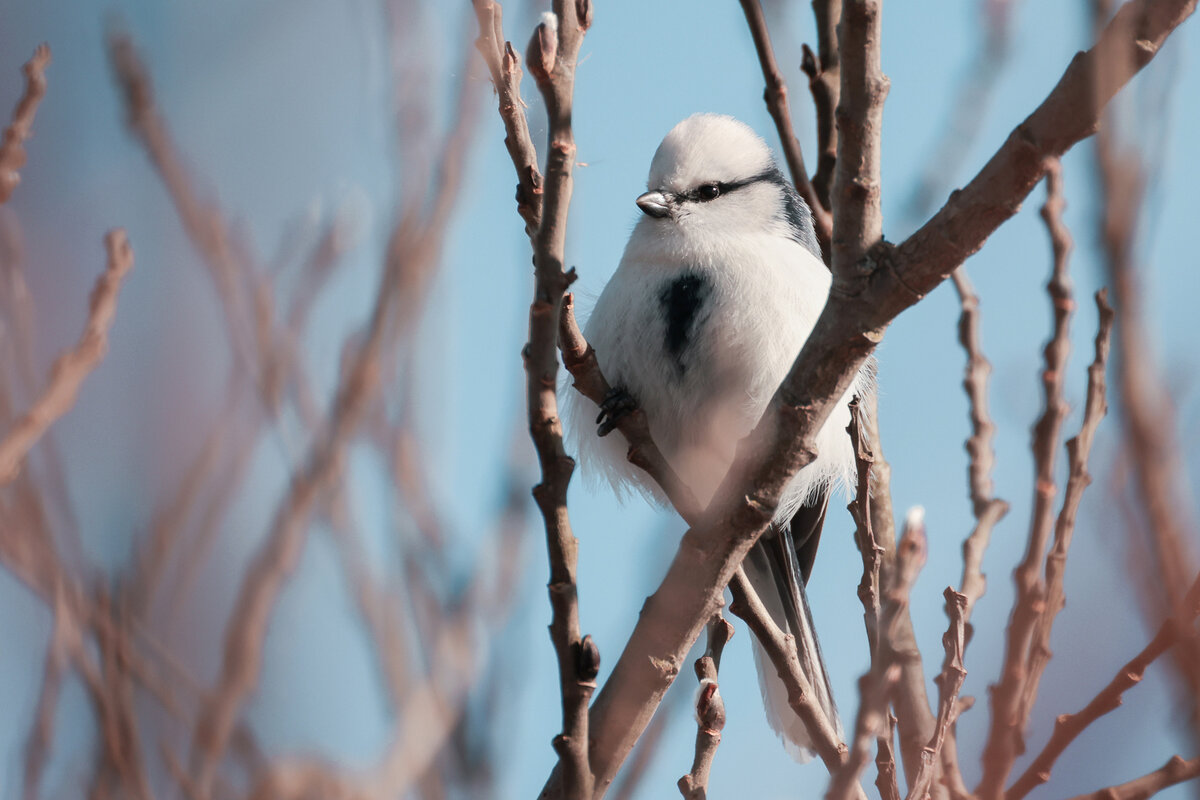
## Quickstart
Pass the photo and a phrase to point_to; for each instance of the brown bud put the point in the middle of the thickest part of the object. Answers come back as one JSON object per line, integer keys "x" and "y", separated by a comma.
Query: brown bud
{"x": 587, "y": 664}
{"x": 543, "y": 48}
{"x": 710, "y": 708}
{"x": 583, "y": 12}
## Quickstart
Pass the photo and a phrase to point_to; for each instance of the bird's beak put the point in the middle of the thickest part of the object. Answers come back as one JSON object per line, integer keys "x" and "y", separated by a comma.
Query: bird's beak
{"x": 654, "y": 204}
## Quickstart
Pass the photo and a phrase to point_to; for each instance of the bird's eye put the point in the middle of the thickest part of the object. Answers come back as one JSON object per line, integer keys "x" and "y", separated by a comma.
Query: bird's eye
{"x": 709, "y": 191}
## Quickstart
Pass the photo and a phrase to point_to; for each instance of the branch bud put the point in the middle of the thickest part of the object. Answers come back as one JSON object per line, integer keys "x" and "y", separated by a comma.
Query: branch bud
{"x": 710, "y": 708}
{"x": 587, "y": 664}
{"x": 583, "y": 12}
{"x": 543, "y": 48}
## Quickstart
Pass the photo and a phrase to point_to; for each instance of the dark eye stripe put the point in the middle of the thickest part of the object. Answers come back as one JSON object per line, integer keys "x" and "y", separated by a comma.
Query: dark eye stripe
{"x": 694, "y": 196}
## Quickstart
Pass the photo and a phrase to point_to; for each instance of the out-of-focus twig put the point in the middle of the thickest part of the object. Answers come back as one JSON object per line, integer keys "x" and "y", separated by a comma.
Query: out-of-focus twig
{"x": 70, "y": 368}
{"x": 1006, "y": 734}
{"x": 1068, "y": 726}
{"x": 710, "y": 710}
{"x": 1176, "y": 770}
{"x": 1078, "y": 449}
{"x": 776, "y": 98}
{"x": 12, "y": 149}
{"x": 988, "y": 510}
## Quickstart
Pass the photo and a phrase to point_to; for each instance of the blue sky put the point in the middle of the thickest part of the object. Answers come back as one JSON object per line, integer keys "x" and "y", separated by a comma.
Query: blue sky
{"x": 282, "y": 110}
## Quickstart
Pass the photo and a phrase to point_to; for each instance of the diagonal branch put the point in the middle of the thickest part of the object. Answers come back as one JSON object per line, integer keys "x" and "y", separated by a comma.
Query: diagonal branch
{"x": 1067, "y": 727}
{"x": 70, "y": 368}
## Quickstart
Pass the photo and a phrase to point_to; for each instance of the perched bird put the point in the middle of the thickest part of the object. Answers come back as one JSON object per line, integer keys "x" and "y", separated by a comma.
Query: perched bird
{"x": 719, "y": 286}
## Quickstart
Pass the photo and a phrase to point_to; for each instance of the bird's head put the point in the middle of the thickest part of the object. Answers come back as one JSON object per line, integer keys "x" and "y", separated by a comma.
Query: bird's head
{"x": 713, "y": 173}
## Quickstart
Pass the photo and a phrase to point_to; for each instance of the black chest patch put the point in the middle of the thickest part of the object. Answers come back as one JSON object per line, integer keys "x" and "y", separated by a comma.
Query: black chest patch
{"x": 682, "y": 300}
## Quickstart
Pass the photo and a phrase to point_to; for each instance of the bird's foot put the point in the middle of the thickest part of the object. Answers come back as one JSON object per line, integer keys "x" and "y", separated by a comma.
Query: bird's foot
{"x": 617, "y": 403}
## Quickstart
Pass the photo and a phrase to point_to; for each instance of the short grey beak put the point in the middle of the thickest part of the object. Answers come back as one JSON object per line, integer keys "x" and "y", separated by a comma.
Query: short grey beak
{"x": 654, "y": 204}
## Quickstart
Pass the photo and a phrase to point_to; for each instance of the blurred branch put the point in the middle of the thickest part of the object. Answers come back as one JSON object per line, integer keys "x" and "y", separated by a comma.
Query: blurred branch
{"x": 70, "y": 368}
{"x": 1148, "y": 414}
{"x": 1008, "y": 719}
{"x": 988, "y": 510}
{"x": 776, "y": 98}
{"x": 1068, "y": 726}
{"x": 12, "y": 149}
{"x": 968, "y": 108}
{"x": 1176, "y": 770}
{"x": 1078, "y": 450}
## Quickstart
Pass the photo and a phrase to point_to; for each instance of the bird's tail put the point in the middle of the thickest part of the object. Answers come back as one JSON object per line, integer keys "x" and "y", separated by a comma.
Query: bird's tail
{"x": 773, "y": 572}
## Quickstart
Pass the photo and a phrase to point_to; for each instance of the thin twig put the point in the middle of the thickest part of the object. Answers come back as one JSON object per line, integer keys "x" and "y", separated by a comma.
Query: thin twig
{"x": 949, "y": 683}
{"x": 824, "y": 82}
{"x": 776, "y": 98}
{"x": 988, "y": 509}
{"x": 710, "y": 710}
{"x": 12, "y": 149}
{"x": 551, "y": 57}
{"x": 1006, "y": 734}
{"x": 1067, "y": 727}
{"x": 1176, "y": 770}
{"x": 70, "y": 368}
{"x": 781, "y": 648}
{"x": 1078, "y": 449}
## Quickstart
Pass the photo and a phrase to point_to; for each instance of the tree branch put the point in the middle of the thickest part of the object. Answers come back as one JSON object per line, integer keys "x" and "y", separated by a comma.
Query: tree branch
{"x": 710, "y": 710}
{"x": 1006, "y": 735}
{"x": 1078, "y": 450}
{"x": 776, "y": 98}
{"x": 12, "y": 149}
{"x": 1067, "y": 727}
{"x": 1176, "y": 770}
{"x": 70, "y": 368}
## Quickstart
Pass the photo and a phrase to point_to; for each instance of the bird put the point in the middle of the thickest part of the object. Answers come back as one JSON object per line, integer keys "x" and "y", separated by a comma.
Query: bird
{"x": 720, "y": 284}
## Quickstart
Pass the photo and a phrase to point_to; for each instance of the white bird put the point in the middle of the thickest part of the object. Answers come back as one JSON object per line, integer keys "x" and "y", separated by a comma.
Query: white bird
{"x": 719, "y": 286}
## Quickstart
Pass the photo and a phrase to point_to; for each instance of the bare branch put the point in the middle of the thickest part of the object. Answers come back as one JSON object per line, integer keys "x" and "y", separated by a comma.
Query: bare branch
{"x": 949, "y": 683}
{"x": 781, "y": 648}
{"x": 70, "y": 368}
{"x": 824, "y": 82}
{"x": 1176, "y": 770}
{"x": 1078, "y": 450}
{"x": 1005, "y": 737}
{"x": 12, "y": 149}
{"x": 858, "y": 223}
{"x": 988, "y": 510}
{"x": 776, "y": 98}
{"x": 1068, "y": 726}
{"x": 710, "y": 710}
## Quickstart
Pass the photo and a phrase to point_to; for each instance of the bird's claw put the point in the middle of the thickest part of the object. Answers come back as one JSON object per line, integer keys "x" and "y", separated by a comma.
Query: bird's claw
{"x": 617, "y": 403}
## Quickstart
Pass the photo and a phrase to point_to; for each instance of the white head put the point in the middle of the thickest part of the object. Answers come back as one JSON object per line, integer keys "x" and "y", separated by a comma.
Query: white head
{"x": 714, "y": 173}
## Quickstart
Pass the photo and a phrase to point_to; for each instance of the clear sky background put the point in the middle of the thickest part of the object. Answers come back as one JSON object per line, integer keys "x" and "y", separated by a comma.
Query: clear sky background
{"x": 283, "y": 112}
